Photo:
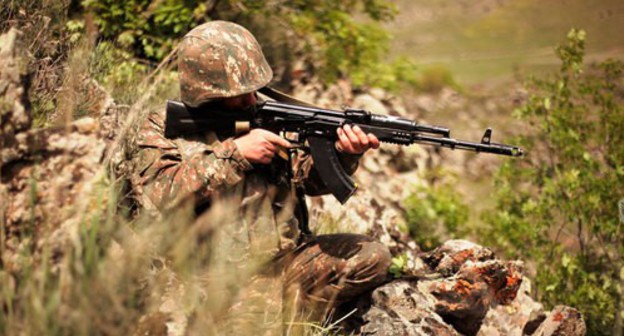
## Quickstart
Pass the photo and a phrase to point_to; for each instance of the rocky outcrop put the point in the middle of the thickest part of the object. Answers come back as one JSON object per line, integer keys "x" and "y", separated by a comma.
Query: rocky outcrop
{"x": 520, "y": 317}
{"x": 400, "y": 308}
{"x": 47, "y": 173}
{"x": 464, "y": 298}
{"x": 562, "y": 321}
{"x": 14, "y": 104}
{"x": 473, "y": 294}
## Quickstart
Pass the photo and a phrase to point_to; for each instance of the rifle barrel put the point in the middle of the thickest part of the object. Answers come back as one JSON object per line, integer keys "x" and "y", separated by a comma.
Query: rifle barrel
{"x": 494, "y": 148}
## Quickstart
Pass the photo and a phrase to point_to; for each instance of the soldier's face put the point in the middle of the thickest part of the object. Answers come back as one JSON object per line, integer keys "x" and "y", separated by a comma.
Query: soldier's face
{"x": 242, "y": 102}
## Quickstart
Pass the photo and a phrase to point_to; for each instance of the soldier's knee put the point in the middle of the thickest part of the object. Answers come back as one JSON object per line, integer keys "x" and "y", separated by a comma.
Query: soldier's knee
{"x": 384, "y": 257}
{"x": 377, "y": 256}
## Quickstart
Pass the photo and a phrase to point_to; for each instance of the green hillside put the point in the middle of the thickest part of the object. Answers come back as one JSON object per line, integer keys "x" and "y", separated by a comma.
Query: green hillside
{"x": 490, "y": 39}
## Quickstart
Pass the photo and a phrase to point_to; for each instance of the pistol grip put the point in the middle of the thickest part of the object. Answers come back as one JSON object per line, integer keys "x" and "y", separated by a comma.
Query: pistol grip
{"x": 327, "y": 164}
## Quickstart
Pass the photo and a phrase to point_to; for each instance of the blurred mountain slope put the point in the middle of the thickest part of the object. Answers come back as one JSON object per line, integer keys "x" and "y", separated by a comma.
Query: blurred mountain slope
{"x": 487, "y": 40}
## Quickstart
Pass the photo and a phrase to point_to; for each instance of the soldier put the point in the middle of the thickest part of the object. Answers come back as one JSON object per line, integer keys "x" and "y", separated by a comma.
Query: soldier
{"x": 221, "y": 66}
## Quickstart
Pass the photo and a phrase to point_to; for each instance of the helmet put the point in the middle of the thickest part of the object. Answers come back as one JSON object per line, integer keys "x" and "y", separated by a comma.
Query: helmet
{"x": 220, "y": 59}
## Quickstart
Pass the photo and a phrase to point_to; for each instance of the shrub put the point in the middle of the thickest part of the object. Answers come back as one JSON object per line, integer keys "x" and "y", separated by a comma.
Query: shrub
{"x": 559, "y": 206}
{"x": 434, "y": 214}
{"x": 324, "y": 33}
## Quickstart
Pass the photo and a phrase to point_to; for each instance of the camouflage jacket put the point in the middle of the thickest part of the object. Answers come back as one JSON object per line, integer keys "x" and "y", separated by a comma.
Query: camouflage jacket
{"x": 209, "y": 170}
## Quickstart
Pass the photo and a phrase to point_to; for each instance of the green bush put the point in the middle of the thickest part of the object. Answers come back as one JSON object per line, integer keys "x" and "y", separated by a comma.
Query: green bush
{"x": 435, "y": 214}
{"x": 558, "y": 207}
{"x": 324, "y": 33}
{"x": 117, "y": 71}
{"x": 149, "y": 28}
{"x": 399, "y": 74}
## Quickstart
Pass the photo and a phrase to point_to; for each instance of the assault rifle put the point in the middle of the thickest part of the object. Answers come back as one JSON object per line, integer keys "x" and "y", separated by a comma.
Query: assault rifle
{"x": 315, "y": 128}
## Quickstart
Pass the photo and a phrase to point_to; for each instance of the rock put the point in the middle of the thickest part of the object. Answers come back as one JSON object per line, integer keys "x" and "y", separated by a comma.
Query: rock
{"x": 562, "y": 321}
{"x": 413, "y": 158}
{"x": 535, "y": 320}
{"x": 450, "y": 256}
{"x": 364, "y": 215}
{"x": 522, "y": 316}
{"x": 48, "y": 190}
{"x": 49, "y": 175}
{"x": 307, "y": 93}
{"x": 369, "y": 103}
{"x": 378, "y": 93}
{"x": 399, "y": 308}
{"x": 14, "y": 104}
{"x": 334, "y": 96}
{"x": 450, "y": 98}
{"x": 452, "y": 300}
{"x": 464, "y": 299}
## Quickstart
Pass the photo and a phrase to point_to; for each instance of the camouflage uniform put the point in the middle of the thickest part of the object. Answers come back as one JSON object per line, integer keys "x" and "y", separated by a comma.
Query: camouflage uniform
{"x": 209, "y": 168}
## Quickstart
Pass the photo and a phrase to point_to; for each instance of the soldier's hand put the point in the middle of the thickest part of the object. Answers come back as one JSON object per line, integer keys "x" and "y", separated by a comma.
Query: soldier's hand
{"x": 260, "y": 146}
{"x": 353, "y": 140}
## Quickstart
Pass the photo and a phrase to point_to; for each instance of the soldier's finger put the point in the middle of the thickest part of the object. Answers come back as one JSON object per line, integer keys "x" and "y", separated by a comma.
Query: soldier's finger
{"x": 350, "y": 134}
{"x": 345, "y": 143}
{"x": 353, "y": 139}
{"x": 262, "y": 132}
{"x": 339, "y": 146}
{"x": 278, "y": 140}
{"x": 267, "y": 157}
{"x": 374, "y": 142}
{"x": 268, "y": 146}
{"x": 361, "y": 136}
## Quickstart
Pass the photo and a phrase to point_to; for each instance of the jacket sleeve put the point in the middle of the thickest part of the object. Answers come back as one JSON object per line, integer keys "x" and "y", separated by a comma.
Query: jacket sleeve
{"x": 308, "y": 177}
{"x": 168, "y": 171}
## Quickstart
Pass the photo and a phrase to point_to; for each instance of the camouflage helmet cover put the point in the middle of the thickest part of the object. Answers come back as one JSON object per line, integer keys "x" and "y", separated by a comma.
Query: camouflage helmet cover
{"x": 220, "y": 59}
